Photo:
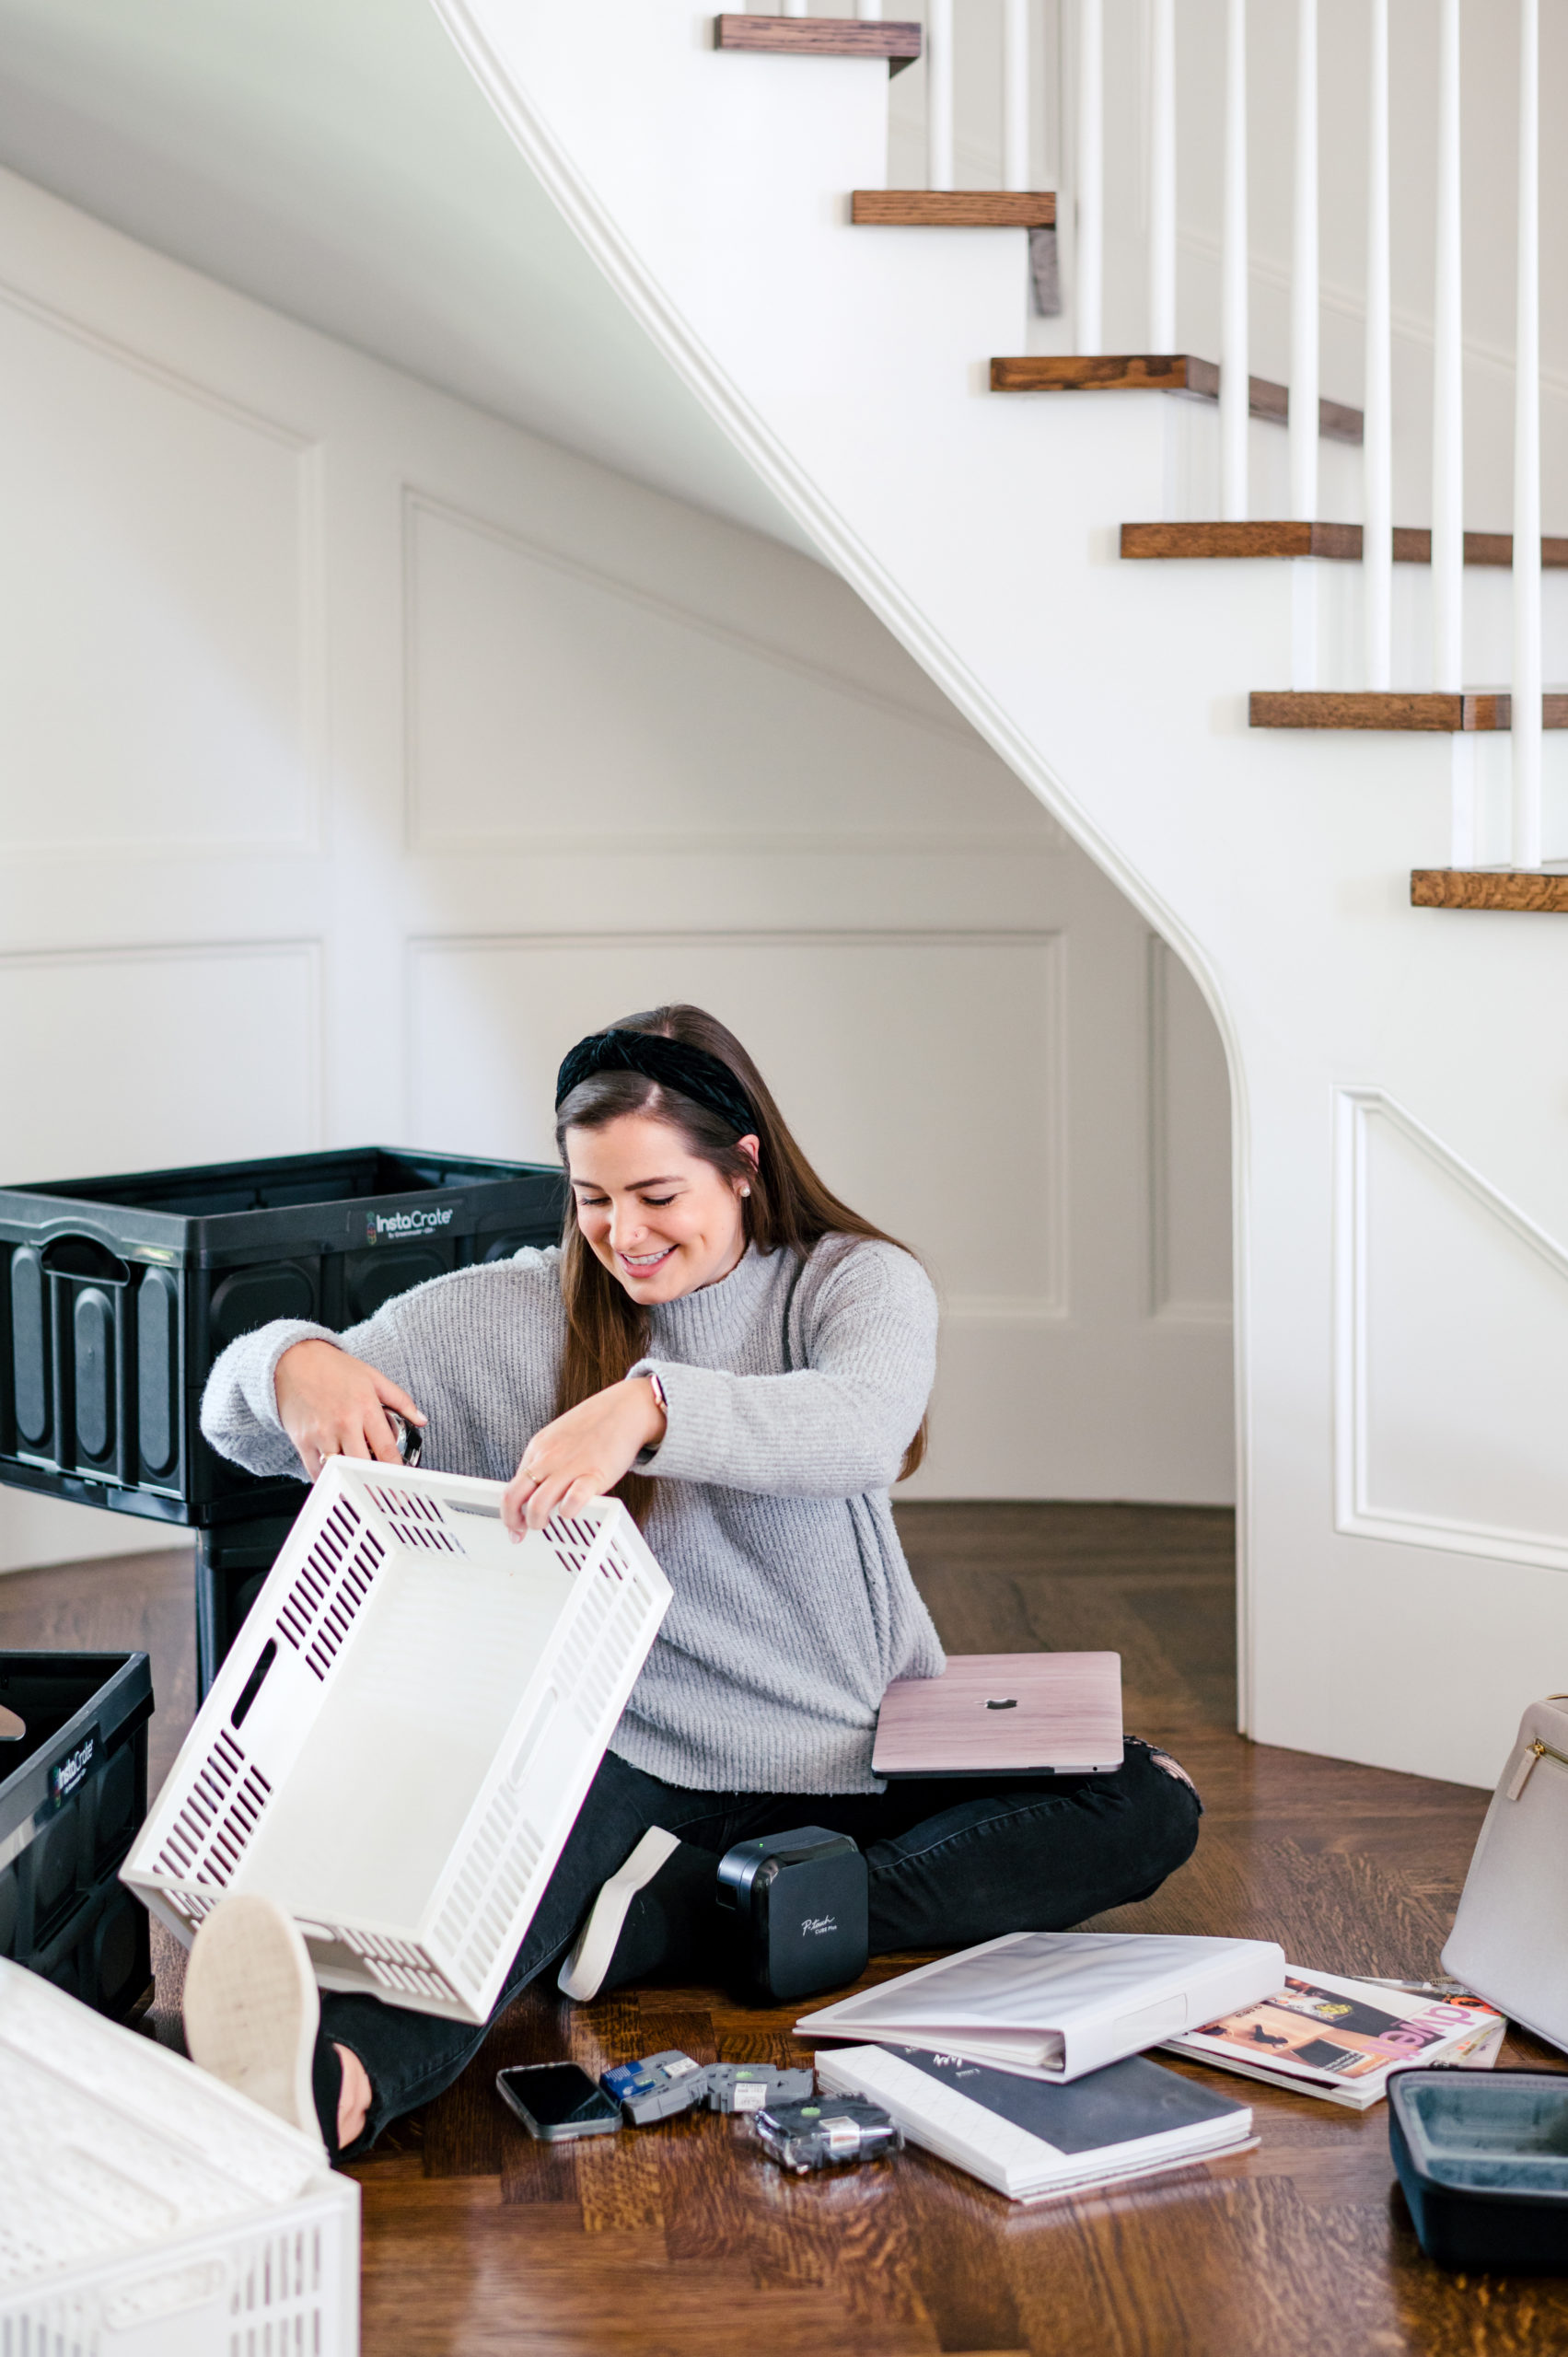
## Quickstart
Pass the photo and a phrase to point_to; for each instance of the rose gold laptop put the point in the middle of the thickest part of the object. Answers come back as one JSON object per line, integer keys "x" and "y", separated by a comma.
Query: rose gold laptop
{"x": 998, "y": 1714}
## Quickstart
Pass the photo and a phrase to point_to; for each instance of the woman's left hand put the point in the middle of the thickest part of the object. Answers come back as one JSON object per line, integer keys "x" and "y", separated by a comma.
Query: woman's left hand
{"x": 583, "y": 1454}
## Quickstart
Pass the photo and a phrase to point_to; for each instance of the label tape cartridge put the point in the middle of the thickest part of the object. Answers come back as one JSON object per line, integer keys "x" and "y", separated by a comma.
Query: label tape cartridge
{"x": 656, "y": 2088}
{"x": 748, "y": 2086}
{"x": 827, "y": 2133}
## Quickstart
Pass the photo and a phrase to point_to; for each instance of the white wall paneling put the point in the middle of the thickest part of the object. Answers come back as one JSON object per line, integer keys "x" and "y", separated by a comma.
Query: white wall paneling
{"x": 135, "y": 1059}
{"x": 160, "y": 597}
{"x": 364, "y": 751}
{"x": 552, "y": 706}
{"x": 1451, "y": 1392}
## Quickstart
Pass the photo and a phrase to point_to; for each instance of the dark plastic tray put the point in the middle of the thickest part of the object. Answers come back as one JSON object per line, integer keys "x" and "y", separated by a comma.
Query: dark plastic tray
{"x": 73, "y": 1795}
{"x": 116, "y": 1294}
{"x": 1482, "y": 2156}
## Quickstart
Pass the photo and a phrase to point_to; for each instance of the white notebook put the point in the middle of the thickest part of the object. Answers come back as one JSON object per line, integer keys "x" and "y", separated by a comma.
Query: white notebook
{"x": 1034, "y": 2142}
{"x": 1055, "y": 2004}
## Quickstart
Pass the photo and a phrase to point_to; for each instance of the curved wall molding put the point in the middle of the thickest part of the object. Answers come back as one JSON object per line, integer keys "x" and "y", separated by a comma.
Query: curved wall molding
{"x": 1451, "y": 1362}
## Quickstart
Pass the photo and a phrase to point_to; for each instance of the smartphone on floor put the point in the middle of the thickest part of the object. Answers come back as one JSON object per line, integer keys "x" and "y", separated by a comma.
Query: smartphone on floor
{"x": 558, "y": 2100}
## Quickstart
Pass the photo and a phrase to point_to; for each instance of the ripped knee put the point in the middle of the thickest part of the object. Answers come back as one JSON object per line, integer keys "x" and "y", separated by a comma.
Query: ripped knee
{"x": 1174, "y": 1768}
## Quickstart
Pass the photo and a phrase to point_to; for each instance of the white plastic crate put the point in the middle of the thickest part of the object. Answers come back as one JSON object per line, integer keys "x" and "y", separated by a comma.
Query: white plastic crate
{"x": 149, "y": 2210}
{"x": 433, "y": 1701}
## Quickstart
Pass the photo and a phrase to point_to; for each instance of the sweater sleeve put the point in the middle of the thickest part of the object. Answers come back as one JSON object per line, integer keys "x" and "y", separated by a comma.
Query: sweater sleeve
{"x": 240, "y": 1407}
{"x": 433, "y": 1342}
{"x": 835, "y": 1428}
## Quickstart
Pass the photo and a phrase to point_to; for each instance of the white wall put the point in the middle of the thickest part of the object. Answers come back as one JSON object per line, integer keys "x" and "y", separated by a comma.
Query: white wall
{"x": 363, "y": 752}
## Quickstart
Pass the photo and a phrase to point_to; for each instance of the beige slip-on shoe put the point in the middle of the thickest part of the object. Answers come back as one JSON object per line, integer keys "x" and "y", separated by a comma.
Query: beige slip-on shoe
{"x": 252, "y": 2007}
{"x": 582, "y": 1975}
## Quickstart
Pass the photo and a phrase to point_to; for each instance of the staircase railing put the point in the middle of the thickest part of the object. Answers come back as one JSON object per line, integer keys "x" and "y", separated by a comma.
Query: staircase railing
{"x": 1057, "y": 96}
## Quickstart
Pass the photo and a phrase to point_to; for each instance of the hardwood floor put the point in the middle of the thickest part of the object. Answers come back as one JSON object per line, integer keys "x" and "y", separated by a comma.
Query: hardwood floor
{"x": 682, "y": 2239}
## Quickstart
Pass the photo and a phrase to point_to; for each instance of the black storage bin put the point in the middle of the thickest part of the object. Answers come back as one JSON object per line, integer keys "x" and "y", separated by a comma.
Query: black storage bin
{"x": 73, "y": 1795}
{"x": 1483, "y": 2157}
{"x": 116, "y": 1294}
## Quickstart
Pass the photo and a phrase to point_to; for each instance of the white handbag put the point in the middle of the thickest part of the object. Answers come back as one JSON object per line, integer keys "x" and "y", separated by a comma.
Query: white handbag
{"x": 1510, "y": 1938}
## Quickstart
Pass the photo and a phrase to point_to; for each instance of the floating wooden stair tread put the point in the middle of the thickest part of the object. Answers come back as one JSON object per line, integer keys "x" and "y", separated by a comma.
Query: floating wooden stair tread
{"x": 820, "y": 37}
{"x": 1412, "y": 545}
{"x": 929, "y": 208}
{"x": 1532, "y": 890}
{"x": 1368, "y": 708}
{"x": 1158, "y": 372}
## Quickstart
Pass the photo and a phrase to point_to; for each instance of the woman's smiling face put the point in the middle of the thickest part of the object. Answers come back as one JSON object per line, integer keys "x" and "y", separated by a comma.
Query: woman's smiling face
{"x": 665, "y": 1221}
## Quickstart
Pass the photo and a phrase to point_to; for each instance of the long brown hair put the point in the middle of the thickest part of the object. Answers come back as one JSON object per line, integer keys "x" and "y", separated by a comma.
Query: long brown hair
{"x": 789, "y": 1208}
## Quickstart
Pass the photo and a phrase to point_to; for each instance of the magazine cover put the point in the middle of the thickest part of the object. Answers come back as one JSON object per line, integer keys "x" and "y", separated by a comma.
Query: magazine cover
{"x": 1344, "y": 2038}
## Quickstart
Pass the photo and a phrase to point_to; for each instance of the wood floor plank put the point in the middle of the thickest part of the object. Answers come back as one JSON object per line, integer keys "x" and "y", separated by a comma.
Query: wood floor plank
{"x": 972, "y": 2308}
{"x": 673, "y": 2241}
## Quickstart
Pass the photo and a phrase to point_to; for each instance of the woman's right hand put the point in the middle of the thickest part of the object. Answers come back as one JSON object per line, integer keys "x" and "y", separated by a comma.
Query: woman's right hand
{"x": 331, "y": 1405}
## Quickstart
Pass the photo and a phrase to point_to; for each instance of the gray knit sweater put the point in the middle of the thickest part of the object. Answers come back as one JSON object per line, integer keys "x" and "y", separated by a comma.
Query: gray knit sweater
{"x": 794, "y": 1387}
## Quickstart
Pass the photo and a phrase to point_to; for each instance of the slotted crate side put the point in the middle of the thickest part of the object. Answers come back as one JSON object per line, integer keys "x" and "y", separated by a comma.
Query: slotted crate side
{"x": 452, "y": 1964}
{"x": 216, "y": 1794}
{"x": 149, "y": 2210}
{"x": 452, "y": 1961}
{"x": 521, "y": 1819}
{"x": 291, "y": 2285}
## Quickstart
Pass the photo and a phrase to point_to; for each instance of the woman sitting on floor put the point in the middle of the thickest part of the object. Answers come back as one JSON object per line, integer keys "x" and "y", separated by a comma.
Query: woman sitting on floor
{"x": 747, "y": 1362}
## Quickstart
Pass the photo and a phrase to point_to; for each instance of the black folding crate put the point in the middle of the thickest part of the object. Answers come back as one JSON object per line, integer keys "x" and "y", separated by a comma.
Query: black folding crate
{"x": 116, "y": 1295}
{"x": 73, "y": 1795}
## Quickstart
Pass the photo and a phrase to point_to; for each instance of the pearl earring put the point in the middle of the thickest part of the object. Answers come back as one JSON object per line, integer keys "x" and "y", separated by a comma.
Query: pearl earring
{"x": 745, "y": 1191}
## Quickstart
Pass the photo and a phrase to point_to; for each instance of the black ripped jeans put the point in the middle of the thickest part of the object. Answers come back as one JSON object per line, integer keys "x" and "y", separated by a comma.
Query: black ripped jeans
{"x": 952, "y": 1862}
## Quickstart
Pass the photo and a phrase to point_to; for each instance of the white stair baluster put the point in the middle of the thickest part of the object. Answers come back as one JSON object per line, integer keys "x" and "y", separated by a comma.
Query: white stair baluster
{"x": 1236, "y": 378}
{"x": 1088, "y": 258}
{"x": 1304, "y": 338}
{"x": 938, "y": 48}
{"x": 1304, "y": 292}
{"x": 1449, "y": 432}
{"x": 1448, "y": 374}
{"x": 869, "y": 11}
{"x": 1014, "y": 93}
{"x": 1526, "y": 458}
{"x": 1162, "y": 177}
{"x": 1377, "y": 455}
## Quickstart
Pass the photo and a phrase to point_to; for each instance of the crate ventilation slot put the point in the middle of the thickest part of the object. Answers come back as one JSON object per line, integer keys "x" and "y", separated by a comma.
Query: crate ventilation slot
{"x": 417, "y": 1521}
{"x": 332, "y": 1583}
{"x": 418, "y": 1534}
{"x": 597, "y": 1647}
{"x": 574, "y": 1541}
{"x": 284, "y": 2269}
{"x": 405, "y": 1505}
{"x": 408, "y": 1980}
{"x": 398, "y": 1966}
{"x": 221, "y": 1811}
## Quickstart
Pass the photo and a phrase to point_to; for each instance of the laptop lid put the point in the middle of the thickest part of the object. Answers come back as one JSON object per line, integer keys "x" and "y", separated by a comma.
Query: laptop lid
{"x": 988, "y": 1714}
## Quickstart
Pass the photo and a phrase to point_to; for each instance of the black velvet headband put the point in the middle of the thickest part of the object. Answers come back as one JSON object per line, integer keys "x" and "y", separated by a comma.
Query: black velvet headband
{"x": 690, "y": 1071}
